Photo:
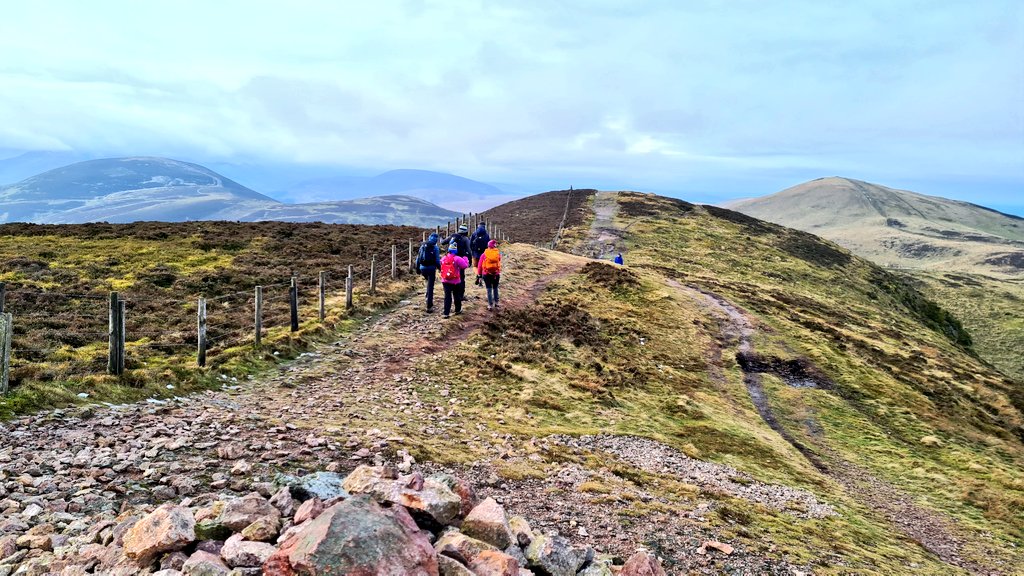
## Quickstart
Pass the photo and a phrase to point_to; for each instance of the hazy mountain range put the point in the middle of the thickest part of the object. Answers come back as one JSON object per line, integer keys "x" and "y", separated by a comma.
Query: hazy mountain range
{"x": 146, "y": 188}
{"x": 897, "y": 227}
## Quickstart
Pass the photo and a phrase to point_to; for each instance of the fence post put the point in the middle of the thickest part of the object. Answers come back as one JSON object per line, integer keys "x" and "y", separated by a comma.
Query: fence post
{"x": 293, "y": 303}
{"x": 448, "y": 229}
{"x": 201, "y": 332}
{"x": 394, "y": 261}
{"x": 6, "y": 329}
{"x": 113, "y": 335}
{"x": 3, "y": 295}
{"x": 348, "y": 289}
{"x": 121, "y": 333}
{"x": 258, "y": 313}
{"x": 373, "y": 274}
{"x": 411, "y": 269}
{"x": 323, "y": 295}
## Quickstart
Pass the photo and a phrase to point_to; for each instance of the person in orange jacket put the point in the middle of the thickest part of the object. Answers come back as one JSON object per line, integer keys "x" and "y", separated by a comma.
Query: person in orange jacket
{"x": 489, "y": 267}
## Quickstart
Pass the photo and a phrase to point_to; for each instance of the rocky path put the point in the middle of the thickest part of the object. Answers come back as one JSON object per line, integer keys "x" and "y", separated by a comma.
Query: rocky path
{"x": 605, "y": 239}
{"x": 931, "y": 530}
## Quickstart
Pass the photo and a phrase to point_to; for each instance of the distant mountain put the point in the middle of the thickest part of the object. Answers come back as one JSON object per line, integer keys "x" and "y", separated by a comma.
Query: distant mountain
{"x": 21, "y": 165}
{"x": 147, "y": 188}
{"x": 375, "y": 210}
{"x": 897, "y": 227}
{"x": 437, "y": 187}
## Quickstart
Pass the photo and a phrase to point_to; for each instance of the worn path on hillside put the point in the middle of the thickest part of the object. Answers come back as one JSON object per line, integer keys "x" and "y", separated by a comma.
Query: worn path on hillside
{"x": 932, "y": 530}
{"x": 355, "y": 401}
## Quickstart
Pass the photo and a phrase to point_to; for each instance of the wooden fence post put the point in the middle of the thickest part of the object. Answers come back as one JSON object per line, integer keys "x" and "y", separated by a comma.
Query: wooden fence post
{"x": 3, "y": 295}
{"x": 121, "y": 334}
{"x": 323, "y": 295}
{"x": 412, "y": 270}
{"x": 6, "y": 329}
{"x": 348, "y": 289}
{"x": 258, "y": 313}
{"x": 373, "y": 274}
{"x": 293, "y": 303}
{"x": 394, "y": 261}
{"x": 113, "y": 335}
{"x": 201, "y": 332}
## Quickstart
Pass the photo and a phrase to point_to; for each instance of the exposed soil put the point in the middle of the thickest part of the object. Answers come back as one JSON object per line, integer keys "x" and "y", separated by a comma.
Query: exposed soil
{"x": 933, "y": 531}
{"x": 605, "y": 239}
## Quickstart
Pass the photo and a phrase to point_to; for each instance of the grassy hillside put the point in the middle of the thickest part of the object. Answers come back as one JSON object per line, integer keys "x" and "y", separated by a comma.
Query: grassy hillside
{"x": 850, "y": 385}
{"x": 899, "y": 228}
{"x": 58, "y": 279}
{"x": 992, "y": 309}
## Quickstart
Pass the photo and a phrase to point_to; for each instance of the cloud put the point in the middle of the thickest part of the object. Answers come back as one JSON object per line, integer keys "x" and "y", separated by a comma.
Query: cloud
{"x": 663, "y": 95}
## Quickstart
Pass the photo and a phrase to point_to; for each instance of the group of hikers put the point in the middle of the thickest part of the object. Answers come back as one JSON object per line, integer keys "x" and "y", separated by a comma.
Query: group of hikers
{"x": 460, "y": 253}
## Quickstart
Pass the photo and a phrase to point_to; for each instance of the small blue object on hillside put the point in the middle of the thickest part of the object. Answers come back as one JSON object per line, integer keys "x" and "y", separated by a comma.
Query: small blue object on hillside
{"x": 618, "y": 259}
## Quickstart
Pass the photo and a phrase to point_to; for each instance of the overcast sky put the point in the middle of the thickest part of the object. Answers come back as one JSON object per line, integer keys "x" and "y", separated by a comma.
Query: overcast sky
{"x": 706, "y": 100}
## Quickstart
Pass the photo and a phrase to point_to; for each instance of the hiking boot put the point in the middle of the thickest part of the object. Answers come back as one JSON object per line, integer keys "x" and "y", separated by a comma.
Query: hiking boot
{"x": 430, "y": 309}
{"x": 457, "y": 312}
{"x": 445, "y": 316}
{"x": 490, "y": 307}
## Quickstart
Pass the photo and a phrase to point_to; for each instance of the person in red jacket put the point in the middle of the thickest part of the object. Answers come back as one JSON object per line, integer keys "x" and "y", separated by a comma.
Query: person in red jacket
{"x": 489, "y": 267}
{"x": 453, "y": 269}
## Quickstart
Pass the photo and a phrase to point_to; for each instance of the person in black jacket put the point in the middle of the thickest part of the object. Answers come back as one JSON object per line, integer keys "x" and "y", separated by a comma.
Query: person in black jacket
{"x": 461, "y": 242}
{"x": 478, "y": 242}
{"x": 427, "y": 263}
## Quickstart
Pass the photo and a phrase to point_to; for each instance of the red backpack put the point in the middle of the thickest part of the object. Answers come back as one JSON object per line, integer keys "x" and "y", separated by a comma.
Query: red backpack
{"x": 449, "y": 271}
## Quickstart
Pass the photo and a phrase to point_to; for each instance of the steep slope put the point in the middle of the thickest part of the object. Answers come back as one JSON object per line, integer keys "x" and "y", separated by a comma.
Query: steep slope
{"x": 896, "y": 227}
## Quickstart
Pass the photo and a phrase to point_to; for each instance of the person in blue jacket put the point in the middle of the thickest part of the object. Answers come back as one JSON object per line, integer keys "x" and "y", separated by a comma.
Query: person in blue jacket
{"x": 618, "y": 259}
{"x": 427, "y": 263}
{"x": 478, "y": 243}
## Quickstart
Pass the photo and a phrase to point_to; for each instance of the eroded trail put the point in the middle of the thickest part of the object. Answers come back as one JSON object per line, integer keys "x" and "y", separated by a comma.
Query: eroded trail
{"x": 931, "y": 530}
{"x": 604, "y": 239}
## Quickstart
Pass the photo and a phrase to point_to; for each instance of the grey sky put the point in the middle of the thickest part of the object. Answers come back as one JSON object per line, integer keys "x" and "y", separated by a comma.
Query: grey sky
{"x": 707, "y": 99}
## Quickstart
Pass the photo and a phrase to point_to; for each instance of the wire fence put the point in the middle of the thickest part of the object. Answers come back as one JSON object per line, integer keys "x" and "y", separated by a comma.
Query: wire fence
{"x": 70, "y": 334}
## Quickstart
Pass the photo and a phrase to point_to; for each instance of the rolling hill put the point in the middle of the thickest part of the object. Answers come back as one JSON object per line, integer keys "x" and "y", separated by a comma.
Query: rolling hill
{"x": 121, "y": 190}
{"x": 741, "y": 398}
{"x": 967, "y": 257}
{"x": 897, "y": 227}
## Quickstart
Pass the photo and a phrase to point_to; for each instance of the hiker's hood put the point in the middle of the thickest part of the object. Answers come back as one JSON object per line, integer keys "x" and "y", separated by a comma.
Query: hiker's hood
{"x": 492, "y": 244}
{"x": 481, "y": 228}
{"x": 432, "y": 239}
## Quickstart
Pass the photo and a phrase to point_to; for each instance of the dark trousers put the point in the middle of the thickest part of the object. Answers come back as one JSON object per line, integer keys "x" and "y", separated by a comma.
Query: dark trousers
{"x": 431, "y": 277}
{"x": 451, "y": 294}
{"x": 460, "y": 290}
{"x": 491, "y": 281}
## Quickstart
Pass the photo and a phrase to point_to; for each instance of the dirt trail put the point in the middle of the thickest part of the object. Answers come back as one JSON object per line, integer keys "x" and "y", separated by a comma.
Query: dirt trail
{"x": 604, "y": 239}
{"x": 931, "y": 530}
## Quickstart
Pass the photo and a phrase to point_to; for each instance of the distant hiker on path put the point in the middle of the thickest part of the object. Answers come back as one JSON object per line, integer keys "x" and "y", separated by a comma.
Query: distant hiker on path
{"x": 427, "y": 263}
{"x": 618, "y": 259}
{"x": 460, "y": 240}
{"x": 453, "y": 274}
{"x": 489, "y": 266}
{"x": 478, "y": 243}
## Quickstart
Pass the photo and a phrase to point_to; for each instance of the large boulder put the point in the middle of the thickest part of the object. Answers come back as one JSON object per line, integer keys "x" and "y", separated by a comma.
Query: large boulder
{"x": 203, "y": 563}
{"x": 240, "y": 513}
{"x": 451, "y": 567}
{"x": 166, "y": 529}
{"x": 488, "y": 522}
{"x": 458, "y": 546}
{"x": 323, "y": 485}
{"x": 642, "y": 564}
{"x": 239, "y": 553}
{"x": 554, "y": 555}
{"x": 428, "y": 499}
{"x": 493, "y": 563}
{"x": 357, "y": 536}
{"x": 460, "y": 487}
